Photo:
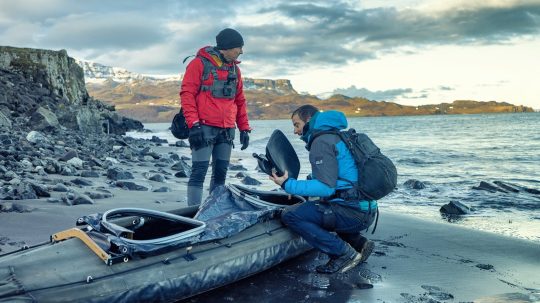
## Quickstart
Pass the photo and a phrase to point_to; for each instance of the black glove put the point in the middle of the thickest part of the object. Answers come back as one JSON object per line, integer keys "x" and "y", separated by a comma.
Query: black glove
{"x": 244, "y": 139}
{"x": 196, "y": 137}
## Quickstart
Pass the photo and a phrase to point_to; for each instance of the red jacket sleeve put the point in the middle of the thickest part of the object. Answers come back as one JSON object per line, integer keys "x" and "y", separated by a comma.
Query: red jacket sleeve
{"x": 240, "y": 101}
{"x": 191, "y": 84}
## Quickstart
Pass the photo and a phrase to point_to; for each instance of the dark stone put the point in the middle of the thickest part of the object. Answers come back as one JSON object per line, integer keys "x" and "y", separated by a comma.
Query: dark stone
{"x": 485, "y": 266}
{"x": 81, "y": 199}
{"x": 163, "y": 189}
{"x": 250, "y": 181}
{"x": 237, "y": 167}
{"x": 240, "y": 175}
{"x": 25, "y": 191}
{"x": 181, "y": 143}
{"x": 181, "y": 174}
{"x": 156, "y": 177}
{"x": 69, "y": 155}
{"x": 414, "y": 184}
{"x": 89, "y": 174}
{"x": 506, "y": 186}
{"x": 82, "y": 182}
{"x": 60, "y": 188}
{"x": 156, "y": 139}
{"x": 488, "y": 187}
{"x": 116, "y": 174}
{"x": 455, "y": 208}
{"x": 130, "y": 186}
{"x": 41, "y": 191}
{"x": 184, "y": 170}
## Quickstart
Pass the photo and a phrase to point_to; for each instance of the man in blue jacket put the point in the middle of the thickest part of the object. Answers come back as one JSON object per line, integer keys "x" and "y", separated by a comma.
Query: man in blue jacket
{"x": 332, "y": 223}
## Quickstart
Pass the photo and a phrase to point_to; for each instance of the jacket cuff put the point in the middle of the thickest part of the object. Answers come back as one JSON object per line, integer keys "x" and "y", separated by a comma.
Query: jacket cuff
{"x": 283, "y": 184}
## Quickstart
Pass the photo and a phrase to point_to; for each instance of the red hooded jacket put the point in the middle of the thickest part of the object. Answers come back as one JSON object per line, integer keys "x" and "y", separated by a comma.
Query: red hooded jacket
{"x": 200, "y": 106}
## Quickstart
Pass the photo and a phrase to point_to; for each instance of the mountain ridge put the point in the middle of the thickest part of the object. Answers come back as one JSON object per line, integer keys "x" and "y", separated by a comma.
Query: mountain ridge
{"x": 154, "y": 99}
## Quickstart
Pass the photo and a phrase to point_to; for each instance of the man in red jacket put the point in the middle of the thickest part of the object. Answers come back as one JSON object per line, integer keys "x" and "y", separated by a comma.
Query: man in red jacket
{"x": 213, "y": 101}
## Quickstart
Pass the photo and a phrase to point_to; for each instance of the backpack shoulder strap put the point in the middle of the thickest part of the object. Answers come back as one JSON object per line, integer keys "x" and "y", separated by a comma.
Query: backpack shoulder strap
{"x": 208, "y": 68}
{"x": 323, "y": 132}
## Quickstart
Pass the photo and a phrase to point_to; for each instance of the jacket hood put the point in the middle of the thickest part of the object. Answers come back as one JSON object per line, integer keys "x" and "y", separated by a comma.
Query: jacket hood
{"x": 212, "y": 54}
{"x": 330, "y": 120}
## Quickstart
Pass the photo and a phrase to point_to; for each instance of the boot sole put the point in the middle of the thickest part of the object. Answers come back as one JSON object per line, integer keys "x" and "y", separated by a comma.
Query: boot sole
{"x": 366, "y": 251}
{"x": 357, "y": 259}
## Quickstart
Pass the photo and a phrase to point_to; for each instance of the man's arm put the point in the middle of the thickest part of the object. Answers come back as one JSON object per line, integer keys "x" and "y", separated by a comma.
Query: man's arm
{"x": 191, "y": 84}
{"x": 240, "y": 101}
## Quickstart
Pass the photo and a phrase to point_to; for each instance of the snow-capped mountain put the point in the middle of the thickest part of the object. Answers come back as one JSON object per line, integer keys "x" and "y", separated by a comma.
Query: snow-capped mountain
{"x": 99, "y": 73}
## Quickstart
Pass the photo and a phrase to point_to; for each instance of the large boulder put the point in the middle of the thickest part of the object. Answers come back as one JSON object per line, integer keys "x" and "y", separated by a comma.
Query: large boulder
{"x": 43, "y": 119}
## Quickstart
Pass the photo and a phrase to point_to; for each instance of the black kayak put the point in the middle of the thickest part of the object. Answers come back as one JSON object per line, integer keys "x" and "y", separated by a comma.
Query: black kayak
{"x": 140, "y": 255}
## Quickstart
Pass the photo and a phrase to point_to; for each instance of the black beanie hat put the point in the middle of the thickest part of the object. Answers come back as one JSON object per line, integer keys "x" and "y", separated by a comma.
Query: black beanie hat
{"x": 229, "y": 38}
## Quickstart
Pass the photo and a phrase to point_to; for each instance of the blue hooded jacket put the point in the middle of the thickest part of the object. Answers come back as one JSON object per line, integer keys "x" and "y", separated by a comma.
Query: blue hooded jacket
{"x": 331, "y": 161}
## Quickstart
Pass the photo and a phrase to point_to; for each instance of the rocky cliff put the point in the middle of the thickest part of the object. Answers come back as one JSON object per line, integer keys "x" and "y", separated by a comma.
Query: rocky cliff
{"x": 45, "y": 90}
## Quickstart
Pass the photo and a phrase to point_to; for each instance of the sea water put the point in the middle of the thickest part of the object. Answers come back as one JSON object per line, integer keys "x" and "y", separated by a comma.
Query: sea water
{"x": 450, "y": 154}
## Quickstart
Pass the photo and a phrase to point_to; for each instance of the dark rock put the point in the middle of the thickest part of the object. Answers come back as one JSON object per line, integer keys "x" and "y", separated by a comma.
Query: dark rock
{"x": 69, "y": 155}
{"x": 240, "y": 175}
{"x": 485, "y": 266}
{"x": 237, "y": 167}
{"x": 174, "y": 157}
{"x": 82, "y": 182}
{"x": 163, "y": 189}
{"x": 97, "y": 196}
{"x": 250, "y": 181}
{"x": 25, "y": 191}
{"x": 81, "y": 199}
{"x": 181, "y": 143}
{"x": 67, "y": 170}
{"x": 184, "y": 170}
{"x": 488, "y": 187}
{"x": 89, "y": 174}
{"x": 130, "y": 186}
{"x": 181, "y": 174}
{"x": 156, "y": 139}
{"x": 43, "y": 119}
{"x": 155, "y": 177}
{"x": 455, "y": 208}
{"x": 41, "y": 191}
{"x": 116, "y": 174}
{"x": 414, "y": 184}
{"x": 506, "y": 186}
{"x": 60, "y": 188}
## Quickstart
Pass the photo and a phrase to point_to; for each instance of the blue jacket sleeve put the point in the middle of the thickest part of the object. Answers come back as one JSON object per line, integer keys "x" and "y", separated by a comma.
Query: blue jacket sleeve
{"x": 311, "y": 188}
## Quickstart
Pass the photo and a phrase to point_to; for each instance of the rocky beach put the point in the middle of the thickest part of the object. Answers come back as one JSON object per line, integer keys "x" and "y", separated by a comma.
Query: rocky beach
{"x": 63, "y": 155}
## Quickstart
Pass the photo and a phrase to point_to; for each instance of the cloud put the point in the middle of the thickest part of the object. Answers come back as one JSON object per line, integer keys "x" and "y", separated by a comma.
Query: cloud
{"x": 381, "y": 95}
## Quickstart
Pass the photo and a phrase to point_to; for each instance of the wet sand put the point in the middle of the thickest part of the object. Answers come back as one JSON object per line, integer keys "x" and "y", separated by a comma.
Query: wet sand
{"x": 414, "y": 260}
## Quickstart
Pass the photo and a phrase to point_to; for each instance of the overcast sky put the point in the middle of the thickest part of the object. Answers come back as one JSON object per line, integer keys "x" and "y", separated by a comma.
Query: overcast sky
{"x": 410, "y": 51}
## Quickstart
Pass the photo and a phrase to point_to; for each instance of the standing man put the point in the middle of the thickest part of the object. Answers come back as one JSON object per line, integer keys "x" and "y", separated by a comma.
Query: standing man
{"x": 339, "y": 209}
{"x": 213, "y": 101}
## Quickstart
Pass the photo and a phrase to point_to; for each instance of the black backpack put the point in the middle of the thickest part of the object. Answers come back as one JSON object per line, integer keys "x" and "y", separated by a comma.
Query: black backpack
{"x": 179, "y": 127}
{"x": 377, "y": 175}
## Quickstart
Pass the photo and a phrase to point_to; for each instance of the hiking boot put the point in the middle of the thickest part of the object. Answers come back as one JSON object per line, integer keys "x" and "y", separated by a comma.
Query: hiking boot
{"x": 342, "y": 263}
{"x": 366, "y": 250}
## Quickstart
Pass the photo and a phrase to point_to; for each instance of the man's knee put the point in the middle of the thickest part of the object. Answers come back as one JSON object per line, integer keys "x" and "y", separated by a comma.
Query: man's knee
{"x": 198, "y": 172}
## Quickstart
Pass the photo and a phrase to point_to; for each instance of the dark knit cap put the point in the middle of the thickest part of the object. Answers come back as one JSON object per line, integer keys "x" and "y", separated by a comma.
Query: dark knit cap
{"x": 229, "y": 38}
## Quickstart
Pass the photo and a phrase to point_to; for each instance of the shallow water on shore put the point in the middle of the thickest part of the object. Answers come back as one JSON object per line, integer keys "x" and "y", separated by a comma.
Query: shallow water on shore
{"x": 449, "y": 154}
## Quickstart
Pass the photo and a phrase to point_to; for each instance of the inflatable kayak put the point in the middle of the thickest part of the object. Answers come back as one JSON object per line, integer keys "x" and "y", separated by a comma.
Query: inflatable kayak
{"x": 140, "y": 255}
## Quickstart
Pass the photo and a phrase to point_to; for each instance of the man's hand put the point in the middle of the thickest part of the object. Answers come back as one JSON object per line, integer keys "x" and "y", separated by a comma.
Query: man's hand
{"x": 196, "y": 137}
{"x": 279, "y": 180}
{"x": 244, "y": 139}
